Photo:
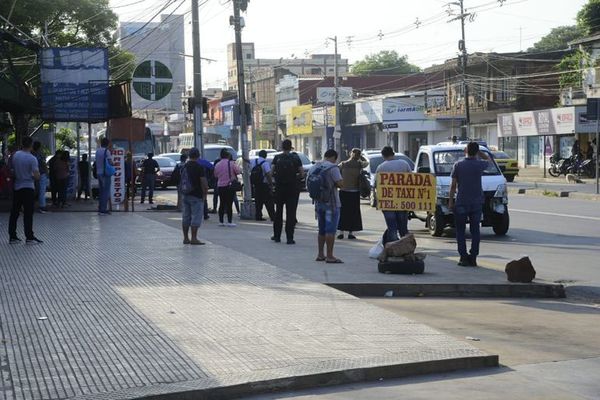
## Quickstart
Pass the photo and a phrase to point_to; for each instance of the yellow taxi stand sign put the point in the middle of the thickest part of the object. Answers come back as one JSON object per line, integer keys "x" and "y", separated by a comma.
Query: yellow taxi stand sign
{"x": 406, "y": 191}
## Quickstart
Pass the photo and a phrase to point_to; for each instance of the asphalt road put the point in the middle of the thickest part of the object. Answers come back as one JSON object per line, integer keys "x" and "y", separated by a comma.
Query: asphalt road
{"x": 560, "y": 235}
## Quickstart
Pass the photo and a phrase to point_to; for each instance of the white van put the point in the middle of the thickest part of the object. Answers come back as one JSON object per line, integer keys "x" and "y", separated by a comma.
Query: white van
{"x": 439, "y": 160}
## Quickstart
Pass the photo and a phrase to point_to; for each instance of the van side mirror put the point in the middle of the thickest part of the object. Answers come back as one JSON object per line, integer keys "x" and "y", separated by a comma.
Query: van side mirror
{"x": 424, "y": 170}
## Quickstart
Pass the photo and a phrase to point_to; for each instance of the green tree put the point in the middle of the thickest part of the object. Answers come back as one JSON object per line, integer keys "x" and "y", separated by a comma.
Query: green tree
{"x": 572, "y": 65}
{"x": 65, "y": 139}
{"x": 558, "y": 39}
{"x": 384, "y": 63}
{"x": 588, "y": 18}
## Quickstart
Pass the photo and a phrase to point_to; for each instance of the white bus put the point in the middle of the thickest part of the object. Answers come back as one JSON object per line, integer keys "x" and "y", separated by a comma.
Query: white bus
{"x": 186, "y": 141}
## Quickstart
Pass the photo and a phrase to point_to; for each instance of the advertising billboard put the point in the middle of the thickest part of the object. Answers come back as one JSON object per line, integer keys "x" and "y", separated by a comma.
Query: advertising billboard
{"x": 74, "y": 84}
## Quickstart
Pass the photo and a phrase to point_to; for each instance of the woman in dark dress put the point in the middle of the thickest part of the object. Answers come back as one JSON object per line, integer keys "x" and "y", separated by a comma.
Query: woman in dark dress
{"x": 350, "y": 216}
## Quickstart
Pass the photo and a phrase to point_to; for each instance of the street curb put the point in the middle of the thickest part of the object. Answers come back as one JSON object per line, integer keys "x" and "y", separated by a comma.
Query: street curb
{"x": 208, "y": 389}
{"x": 476, "y": 290}
{"x": 554, "y": 193}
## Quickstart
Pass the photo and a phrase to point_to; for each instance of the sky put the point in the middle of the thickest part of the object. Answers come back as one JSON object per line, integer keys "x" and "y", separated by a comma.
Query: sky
{"x": 288, "y": 29}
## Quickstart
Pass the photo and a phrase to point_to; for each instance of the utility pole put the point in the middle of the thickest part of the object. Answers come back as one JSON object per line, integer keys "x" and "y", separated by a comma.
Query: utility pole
{"x": 198, "y": 112}
{"x": 238, "y": 23}
{"x": 462, "y": 46}
{"x": 337, "y": 133}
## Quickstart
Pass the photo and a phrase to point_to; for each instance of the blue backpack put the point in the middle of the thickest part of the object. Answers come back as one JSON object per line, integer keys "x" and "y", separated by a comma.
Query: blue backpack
{"x": 185, "y": 184}
{"x": 317, "y": 186}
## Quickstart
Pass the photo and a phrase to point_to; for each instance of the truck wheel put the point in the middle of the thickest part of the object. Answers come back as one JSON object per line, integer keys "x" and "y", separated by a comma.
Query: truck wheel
{"x": 501, "y": 223}
{"x": 435, "y": 223}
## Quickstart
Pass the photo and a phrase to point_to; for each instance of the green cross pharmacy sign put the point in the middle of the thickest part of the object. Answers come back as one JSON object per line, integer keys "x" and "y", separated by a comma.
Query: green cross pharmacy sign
{"x": 152, "y": 80}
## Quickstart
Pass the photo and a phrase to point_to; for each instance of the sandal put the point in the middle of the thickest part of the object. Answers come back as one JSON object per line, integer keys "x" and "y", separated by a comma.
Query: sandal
{"x": 197, "y": 242}
{"x": 320, "y": 259}
{"x": 186, "y": 241}
{"x": 334, "y": 261}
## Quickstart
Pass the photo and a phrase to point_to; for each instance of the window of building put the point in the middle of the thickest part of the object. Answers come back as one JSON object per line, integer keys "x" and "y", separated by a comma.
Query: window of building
{"x": 315, "y": 71}
{"x": 248, "y": 56}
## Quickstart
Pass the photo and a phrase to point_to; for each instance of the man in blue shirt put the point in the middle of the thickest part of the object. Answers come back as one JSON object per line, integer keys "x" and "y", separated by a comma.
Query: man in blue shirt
{"x": 466, "y": 176}
{"x": 25, "y": 172}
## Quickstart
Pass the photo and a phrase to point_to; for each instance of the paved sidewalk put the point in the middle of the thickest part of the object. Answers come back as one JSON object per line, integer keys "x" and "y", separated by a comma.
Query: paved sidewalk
{"x": 116, "y": 307}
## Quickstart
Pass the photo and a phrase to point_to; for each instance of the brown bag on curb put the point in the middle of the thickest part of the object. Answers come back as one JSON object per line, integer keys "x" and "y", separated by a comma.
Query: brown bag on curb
{"x": 400, "y": 248}
{"x": 520, "y": 270}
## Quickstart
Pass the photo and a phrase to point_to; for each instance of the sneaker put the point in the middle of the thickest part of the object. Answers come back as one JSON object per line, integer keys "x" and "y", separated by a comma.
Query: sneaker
{"x": 464, "y": 261}
{"x": 231, "y": 224}
{"x": 473, "y": 260}
{"x": 275, "y": 239}
{"x": 15, "y": 240}
{"x": 42, "y": 211}
{"x": 221, "y": 224}
{"x": 291, "y": 241}
{"x": 33, "y": 240}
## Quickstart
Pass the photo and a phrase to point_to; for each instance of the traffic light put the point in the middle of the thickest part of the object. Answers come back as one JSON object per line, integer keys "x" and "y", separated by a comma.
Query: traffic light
{"x": 191, "y": 104}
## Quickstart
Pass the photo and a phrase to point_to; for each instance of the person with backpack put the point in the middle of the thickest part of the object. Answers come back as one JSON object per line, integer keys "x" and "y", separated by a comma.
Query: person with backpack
{"x": 323, "y": 182}
{"x": 262, "y": 182}
{"x": 194, "y": 188}
{"x": 42, "y": 184}
{"x": 149, "y": 169}
{"x": 287, "y": 168}
{"x": 350, "y": 216}
{"x": 209, "y": 169}
{"x": 103, "y": 160}
{"x": 176, "y": 178}
{"x": 226, "y": 172}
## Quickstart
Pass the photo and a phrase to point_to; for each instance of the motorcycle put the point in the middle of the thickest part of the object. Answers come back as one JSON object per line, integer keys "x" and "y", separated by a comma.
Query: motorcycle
{"x": 586, "y": 168}
{"x": 560, "y": 166}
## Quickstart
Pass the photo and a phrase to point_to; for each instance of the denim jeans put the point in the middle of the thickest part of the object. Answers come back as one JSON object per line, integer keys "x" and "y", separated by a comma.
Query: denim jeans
{"x": 193, "y": 211}
{"x": 397, "y": 222}
{"x": 22, "y": 198}
{"x": 104, "y": 189}
{"x": 148, "y": 181}
{"x": 328, "y": 218}
{"x": 473, "y": 213}
{"x": 43, "y": 185}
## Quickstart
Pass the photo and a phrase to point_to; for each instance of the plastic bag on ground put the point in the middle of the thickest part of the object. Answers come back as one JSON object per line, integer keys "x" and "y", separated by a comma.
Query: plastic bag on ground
{"x": 376, "y": 250}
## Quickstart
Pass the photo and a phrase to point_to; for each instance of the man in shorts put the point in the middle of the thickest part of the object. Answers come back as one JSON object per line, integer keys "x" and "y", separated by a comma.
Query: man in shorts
{"x": 328, "y": 209}
{"x": 193, "y": 201}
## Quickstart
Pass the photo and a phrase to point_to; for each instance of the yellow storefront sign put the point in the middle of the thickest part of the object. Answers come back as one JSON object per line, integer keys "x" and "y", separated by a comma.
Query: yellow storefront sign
{"x": 406, "y": 191}
{"x": 301, "y": 120}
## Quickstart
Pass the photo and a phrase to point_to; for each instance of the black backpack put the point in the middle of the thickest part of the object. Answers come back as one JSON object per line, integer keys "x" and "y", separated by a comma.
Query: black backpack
{"x": 285, "y": 169}
{"x": 257, "y": 174}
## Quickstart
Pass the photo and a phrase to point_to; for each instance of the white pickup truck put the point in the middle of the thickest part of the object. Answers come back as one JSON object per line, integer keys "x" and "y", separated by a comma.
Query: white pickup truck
{"x": 439, "y": 160}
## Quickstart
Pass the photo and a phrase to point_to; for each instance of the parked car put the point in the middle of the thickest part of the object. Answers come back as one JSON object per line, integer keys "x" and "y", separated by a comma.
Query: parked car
{"x": 254, "y": 152}
{"x": 439, "y": 160}
{"x": 509, "y": 166}
{"x": 212, "y": 152}
{"x": 163, "y": 177}
{"x": 375, "y": 159}
{"x": 173, "y": 156}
